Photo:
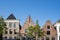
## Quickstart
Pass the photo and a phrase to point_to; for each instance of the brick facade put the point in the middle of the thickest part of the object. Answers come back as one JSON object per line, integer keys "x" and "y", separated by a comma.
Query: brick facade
{"x": 52, "y": 32}
{"x": 25, "y": 26}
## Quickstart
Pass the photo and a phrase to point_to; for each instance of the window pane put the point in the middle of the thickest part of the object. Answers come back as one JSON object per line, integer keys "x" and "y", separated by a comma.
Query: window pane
{"x": 10, "y": 31}
{"x": 10, "y": 24}
{"x": 55, "y": 28}
{"x": 48, "y": 32}
{"x": 15, "y": 31}
{"x": 48, "y": 27}
{"x": 6, "y": 32}
{"x": 14, "y": 24}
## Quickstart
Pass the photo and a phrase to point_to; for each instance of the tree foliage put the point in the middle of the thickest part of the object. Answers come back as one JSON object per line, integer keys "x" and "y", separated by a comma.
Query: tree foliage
{"x": 35, "y": 31}
{"x": 30, "y": 31}
{"x": 2, "y": 25}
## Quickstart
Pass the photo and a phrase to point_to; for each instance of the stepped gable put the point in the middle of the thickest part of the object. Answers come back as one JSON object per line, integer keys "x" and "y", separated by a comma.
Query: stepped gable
{"x": 51, "y": 29}
{"x": 29, "y": 22}
{"x": 48, "y": 21}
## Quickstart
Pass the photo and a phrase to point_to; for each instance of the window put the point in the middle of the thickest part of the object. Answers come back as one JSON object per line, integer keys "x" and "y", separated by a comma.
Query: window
{"x": 14, "y": 25}
{"x": 6, "y": 31}
{"x": 10, "y": 24}
{"x": 55, "y": 28}
{"x": 5, "y": 37}
{"x": 48, "y": 32}
{"x": 15, "y": 38}
{"x": 10, "y": 31}
{"x": 10, "y": 38}
{"x": 53, "y": 38}
{"x": 48, "y": 27}
{"x": 47, "y": 38}
{"x": 25, "y": 30}
{"x": 15, "y": 31}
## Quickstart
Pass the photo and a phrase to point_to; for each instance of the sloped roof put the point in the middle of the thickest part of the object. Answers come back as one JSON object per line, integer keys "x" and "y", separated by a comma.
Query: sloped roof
{"x": 11, "y": 16}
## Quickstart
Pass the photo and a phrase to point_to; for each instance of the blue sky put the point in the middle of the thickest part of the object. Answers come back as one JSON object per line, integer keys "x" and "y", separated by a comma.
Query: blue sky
{"x": 42, "y": 10}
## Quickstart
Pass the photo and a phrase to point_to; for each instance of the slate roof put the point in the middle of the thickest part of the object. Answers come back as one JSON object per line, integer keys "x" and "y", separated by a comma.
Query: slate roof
{"x": 11, "y": 16}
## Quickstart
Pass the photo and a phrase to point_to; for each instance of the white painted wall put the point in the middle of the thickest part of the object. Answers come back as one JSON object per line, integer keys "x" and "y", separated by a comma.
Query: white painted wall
{"x": 57, "y": 25}
{"x": 12, "y": 28}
